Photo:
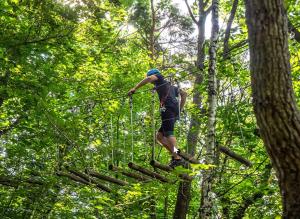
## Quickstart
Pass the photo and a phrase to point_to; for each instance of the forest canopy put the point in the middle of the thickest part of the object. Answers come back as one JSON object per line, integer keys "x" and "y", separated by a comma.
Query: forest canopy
{"x": 68, "y": 128}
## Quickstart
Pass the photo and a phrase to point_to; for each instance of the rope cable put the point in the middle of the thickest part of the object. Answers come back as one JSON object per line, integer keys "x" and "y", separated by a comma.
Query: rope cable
{"x": 131, "y": 124}
{"x": 153, "y": 127}
{"x": 112, "y": 139}
{"x": 124, "y": 143}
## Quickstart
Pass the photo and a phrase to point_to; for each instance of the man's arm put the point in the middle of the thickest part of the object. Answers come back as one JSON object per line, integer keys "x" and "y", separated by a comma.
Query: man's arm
{"x": 143, "y": 82}
{"x": 183, "y": 96}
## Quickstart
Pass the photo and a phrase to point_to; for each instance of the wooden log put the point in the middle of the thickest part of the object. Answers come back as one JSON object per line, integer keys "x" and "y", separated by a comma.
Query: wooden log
{"x": 160, "y": 166}
{"x": 82, "y": 180}
{"x": 106, "y": 178}
{"x": 90, "y": 180}
{"x": 188, "y": 157}
{"x": 235, "y": 156}
{"x": 147, "y": 172}
{"x": 72, "y": 177}
{"x": 15, "y": 182}
{"x": 168, "y": 169}
{"x": 128, "y": 174}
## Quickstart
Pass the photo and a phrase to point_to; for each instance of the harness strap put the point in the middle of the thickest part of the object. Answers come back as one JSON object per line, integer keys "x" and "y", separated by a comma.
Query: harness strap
{"x": 163, "y": 100}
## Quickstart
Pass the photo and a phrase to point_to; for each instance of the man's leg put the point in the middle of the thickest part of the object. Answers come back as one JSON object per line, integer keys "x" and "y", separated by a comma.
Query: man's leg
{"x": 169, "y": 143}
{"x": 171, "y": 139}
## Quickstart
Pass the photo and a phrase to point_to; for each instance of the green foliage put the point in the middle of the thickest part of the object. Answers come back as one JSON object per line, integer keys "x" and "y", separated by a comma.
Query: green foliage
{"x": 65, "y": 69}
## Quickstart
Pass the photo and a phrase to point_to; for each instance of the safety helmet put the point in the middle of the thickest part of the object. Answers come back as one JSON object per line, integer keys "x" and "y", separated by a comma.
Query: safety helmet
{"x": 153, "y": 71}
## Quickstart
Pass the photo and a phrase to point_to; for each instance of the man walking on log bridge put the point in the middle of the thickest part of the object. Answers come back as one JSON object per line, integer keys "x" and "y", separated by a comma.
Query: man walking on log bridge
{"x": 169, "y": 111}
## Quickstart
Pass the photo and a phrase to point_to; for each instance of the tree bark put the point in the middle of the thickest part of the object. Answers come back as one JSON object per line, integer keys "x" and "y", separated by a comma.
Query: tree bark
{"x": 235, "y": 156}
{"x": 206, "y": 208}
{"x": 274, "y": 102}
{"x": 152, "y": 40}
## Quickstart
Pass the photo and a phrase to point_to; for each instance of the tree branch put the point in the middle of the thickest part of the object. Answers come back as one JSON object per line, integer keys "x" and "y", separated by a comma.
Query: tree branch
{"x": 228, "y": 28}
{"x": 43, "y": 39}
{"x": 208, "y": 10}
{"x": 191, "y": 13}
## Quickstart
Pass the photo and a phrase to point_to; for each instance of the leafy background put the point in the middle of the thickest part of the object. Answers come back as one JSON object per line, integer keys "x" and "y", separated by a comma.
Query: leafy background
{"x": 65, "y": 69}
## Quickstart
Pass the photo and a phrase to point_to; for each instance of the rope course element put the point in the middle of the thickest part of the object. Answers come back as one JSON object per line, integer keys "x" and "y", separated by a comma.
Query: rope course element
{"x": 129, "y": 174}
{"x": 168, "y": 169}
{"x": 86, "y": 179}
{"x": 106, "y": 178}
{"x": 153, "y": 128}
{"x": 131, "y": 124}
{"x": 148, "y": 172}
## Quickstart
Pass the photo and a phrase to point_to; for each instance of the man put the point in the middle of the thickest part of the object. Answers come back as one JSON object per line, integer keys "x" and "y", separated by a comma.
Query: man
{"x": 169, "y": 110}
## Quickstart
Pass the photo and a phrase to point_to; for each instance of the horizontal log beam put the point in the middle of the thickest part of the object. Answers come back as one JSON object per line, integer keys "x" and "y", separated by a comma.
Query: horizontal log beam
{"x": 106, "y": 178}
{"x": 72, "y": 177}
{"x": 168, "y": 169}
{"x": 235, "y": 156}
{"x": 84, "y": 179}
{"x": 188, "y": 157}
{"x": 160, "y": 166}
{"x": 147, "y": 172}
{"x": 128, "y": 174}
{"x": 15, "y": 182}
{"x": 91, "y": 180}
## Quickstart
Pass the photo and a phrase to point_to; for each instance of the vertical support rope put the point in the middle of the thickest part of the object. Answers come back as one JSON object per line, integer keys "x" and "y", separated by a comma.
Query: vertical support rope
{"x": 124, "y": 143}
{"x": 153, "y": 127}
{"x": 131, "y": 125}
{"x": 144, "y": 131}
{"x": 112, "y": 139}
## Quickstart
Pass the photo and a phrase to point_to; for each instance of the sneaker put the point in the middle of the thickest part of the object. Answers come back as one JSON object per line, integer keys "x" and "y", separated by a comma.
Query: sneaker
{"x": 176, "y": 162}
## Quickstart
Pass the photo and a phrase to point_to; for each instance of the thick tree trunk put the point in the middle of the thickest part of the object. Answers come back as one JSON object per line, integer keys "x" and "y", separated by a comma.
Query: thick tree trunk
{"x": 273, "y": 98}
{"x": 184, "y": 190}
{"x": 205, "y": 210}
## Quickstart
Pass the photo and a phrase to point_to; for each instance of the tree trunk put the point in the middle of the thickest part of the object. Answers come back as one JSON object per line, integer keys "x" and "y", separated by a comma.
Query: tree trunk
{"x": 153, "y": 207}
{"x": 206, "y": 208}
{"x": 273, "y": 97}
{"x": 228, "y": 28}
{"x": 152, "y": 30}
{"x": 184, "y": 190}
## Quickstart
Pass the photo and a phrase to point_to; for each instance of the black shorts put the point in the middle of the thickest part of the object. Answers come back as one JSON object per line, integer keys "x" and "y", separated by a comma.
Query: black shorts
{"x": 168, "y": 119}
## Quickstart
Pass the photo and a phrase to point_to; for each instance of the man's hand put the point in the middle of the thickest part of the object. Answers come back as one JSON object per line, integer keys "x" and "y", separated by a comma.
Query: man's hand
{"x": 132, "y": 91}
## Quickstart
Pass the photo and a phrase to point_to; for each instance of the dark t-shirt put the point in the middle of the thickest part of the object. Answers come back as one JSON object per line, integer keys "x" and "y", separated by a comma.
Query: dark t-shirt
{"x": 167, "y": 93}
